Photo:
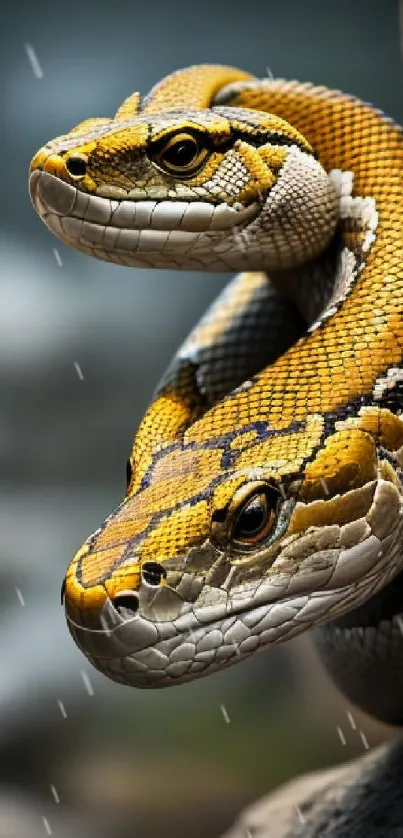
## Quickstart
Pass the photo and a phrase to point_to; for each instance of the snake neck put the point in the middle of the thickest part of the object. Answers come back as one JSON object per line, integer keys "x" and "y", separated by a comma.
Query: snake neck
{"x": 360, "y": 334}
{"x": 363, "y": 653}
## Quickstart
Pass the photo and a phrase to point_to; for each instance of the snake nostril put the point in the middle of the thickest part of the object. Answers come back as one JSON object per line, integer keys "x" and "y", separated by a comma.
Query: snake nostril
{"x": 76, "y": 165}
{"x": 153, "y": 573}
{"x": 126, "y": 601}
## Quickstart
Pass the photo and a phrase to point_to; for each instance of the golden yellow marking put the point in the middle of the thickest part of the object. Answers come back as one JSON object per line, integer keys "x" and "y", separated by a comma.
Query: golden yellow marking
{"x": 338, "y": 510}
{"x": 129, "y": 108}
{"x": 243, "y": 440}
{"x": 125, "y": 578}
{"x": 327, "y": 370}
{"x": 279, "y": 455}
{"x": 160, "y": 426}
{"x": 91, "y": 599}
{"x": 261, "y": 178}
{"x": 52, "y": 163}
{"x": 194, "y": 87}
{"x": 38, "y": 160}
{"x": 348, "y": 460}
{"x": 384, "y": 426}
{"x": 176, "y": 534}
{"x": 224, "y": 492}
{"x": 273, "y": 156}
{"x": 133, "y": 138}
{"x": 177, "y": 478}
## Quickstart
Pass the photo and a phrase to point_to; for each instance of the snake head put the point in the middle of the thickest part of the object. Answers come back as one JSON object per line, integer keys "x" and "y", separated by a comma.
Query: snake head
{"x": 228, "y": 546}
{"x": 214, "y": 189}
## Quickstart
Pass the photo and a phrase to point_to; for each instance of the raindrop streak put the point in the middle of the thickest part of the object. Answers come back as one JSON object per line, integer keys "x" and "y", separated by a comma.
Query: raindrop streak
{"x": 78, "y": 370}
{"x": 364, "y": 740}
{"x": 282, "y": 491}
{"x": 46, "y": 825}
{"x": 87, "y": 683}
{"x": 33, "y": 59}
{"x": 62, "y": 708}
{"x": 225, "y": 714}
{"x": 57, "y": 257}
{"x": 20, "y": 596}
{"x": 351, "y": 720}
{"x": 55, "y": 794}
{"x": 324, "y": 486}
{"x": 399, "y": 621}
{"x": 341, "y": 735}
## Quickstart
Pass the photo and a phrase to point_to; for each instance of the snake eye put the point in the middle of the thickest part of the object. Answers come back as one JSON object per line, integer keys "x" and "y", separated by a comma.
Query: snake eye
{"x": 256, "y": 517}
{"x": 183, "y": 154}
{"x": 153, "y": 572}
{"x": 76, "y": 165}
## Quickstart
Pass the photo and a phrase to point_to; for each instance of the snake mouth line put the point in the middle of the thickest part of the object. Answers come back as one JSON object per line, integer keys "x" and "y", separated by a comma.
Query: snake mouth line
{"x": 271, "y": 600}
{"x": 83, "y": 215}
{"x": 181, "y": 650}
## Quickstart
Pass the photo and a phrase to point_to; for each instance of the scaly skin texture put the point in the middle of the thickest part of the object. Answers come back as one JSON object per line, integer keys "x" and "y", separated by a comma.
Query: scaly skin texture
{"x": 252, "y": 513}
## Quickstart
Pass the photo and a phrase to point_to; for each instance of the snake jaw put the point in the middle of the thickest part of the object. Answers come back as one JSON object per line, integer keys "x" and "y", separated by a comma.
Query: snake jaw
{"x": 193, "y": 233}
{"x": 157, "y": 233}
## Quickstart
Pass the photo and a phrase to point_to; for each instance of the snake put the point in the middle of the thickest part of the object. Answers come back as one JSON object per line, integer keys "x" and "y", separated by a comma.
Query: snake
{"x": 264, "y": 485}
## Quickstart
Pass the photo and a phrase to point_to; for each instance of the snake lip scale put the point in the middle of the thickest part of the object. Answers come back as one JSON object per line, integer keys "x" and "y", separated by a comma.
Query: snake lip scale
{"x": 95, "y": 224}
{"x": 264, "y": 485}
{"x": 50, "y": 196}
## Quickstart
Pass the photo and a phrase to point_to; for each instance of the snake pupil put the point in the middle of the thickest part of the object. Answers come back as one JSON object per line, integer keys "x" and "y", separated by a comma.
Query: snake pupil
{"x": 253, "y": 518}
{"x": 153, "y": 572}
{"x": 182, "y": 153}
{"x": 256, "y": 517}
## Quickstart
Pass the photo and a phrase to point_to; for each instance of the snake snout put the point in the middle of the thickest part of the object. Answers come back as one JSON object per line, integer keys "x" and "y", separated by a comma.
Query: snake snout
{"x": 49, "y": 194}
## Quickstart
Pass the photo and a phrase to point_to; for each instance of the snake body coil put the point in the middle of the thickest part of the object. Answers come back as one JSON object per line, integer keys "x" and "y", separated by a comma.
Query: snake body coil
{"x": 264, "y": 491}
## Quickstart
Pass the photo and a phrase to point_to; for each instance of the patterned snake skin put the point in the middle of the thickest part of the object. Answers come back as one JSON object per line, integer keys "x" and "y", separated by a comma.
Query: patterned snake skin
{"x": 264, "y": 492}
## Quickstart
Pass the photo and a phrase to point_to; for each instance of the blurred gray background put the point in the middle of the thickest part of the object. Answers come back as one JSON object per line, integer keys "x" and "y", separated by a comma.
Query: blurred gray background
{"x": 81, "y": 757}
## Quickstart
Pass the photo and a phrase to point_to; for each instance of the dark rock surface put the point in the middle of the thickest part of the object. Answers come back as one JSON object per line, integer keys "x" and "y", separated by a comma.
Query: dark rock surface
{"x": 360, "y": 799}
